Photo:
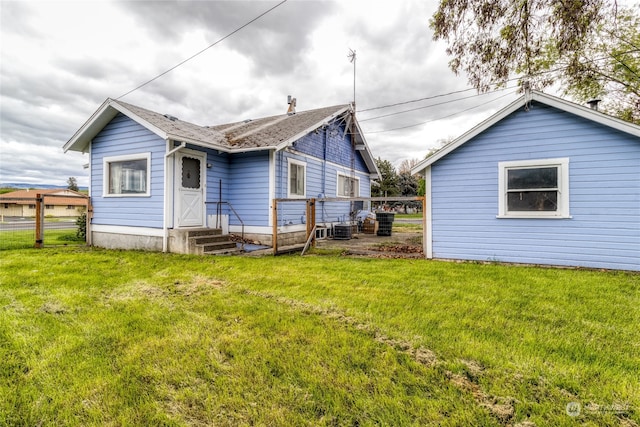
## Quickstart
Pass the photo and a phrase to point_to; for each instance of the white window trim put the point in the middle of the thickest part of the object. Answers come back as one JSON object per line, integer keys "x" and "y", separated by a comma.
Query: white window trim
{"x": 338, "y": 175}
{"x": 123, "y": 158}
{"x": 304, "y": 165}
{"x": 563, "y": 188}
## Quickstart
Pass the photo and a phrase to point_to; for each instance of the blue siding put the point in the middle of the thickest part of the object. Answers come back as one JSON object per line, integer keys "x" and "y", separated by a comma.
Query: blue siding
{"x": 249, "y": 188}
{"x": 217, "y": 174}
{"x": 120, "y": 137}
{"x": 604, "y": 188}
{"x": 331, "y": 143}
{"x": 321, "y": 180}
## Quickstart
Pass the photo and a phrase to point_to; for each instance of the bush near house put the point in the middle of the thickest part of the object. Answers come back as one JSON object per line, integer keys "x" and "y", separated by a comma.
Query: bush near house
{"x": 95, "y": 337}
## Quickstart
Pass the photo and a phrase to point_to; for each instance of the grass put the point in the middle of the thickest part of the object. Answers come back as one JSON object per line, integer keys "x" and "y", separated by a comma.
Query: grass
{"x": 22, "y": 239}
{"x": 95, "y": 337}
{"x": 408, "y": 216}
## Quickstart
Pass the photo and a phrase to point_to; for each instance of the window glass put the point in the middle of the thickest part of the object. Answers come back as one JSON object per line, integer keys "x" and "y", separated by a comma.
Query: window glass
{"x": 533, "y": 178}
{"x": 348, "y": 187}
{"x": 296, "y": 179}
{"x": 128, "y": 177}
{"x": 532, "y": 201}
{"x": 522, "y": 185}
{"x": 190, "y": 173}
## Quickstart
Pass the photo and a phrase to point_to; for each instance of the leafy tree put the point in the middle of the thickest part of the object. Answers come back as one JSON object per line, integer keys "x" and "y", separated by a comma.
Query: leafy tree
{"x": 408, "y": 183}
{"x": 422, "y": 189}
{"x": 590, "y": 47}
{"x": 616, "y": 79}
{"x": 389, "y": 182}
{"x": 407, "y": 164}
{"x": 72, "y": 183}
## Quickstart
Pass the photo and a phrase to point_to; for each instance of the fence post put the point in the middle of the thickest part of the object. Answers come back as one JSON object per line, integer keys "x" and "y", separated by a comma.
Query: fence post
{"x": 39, "y": 221}
{"x": 312, "y": 220}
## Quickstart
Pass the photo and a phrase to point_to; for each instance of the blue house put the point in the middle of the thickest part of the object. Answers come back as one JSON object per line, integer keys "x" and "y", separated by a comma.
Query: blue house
{"x": 543, "y": 181}
{"x": 156, "y": 180}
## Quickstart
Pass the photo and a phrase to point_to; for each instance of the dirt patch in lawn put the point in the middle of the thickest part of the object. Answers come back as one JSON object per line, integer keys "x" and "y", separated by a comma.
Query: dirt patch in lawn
{"x": 398, "y": 245}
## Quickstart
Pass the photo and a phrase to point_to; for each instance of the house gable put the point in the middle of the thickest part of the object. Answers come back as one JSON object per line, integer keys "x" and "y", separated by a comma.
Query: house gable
{"x": 123, "y": 136}
{"x": 525, "y": 103}
{"x": 333, "y": 144}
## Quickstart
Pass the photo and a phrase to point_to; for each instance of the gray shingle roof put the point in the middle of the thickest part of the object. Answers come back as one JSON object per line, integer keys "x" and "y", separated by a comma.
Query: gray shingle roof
{"x": 259, "y": 133}
{"x": 176, "y": 127}
{"x": 273, "y": 131}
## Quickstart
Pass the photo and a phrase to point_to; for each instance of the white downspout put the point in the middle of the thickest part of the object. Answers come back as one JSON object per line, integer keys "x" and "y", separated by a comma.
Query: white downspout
{"x": 168, "y": 186}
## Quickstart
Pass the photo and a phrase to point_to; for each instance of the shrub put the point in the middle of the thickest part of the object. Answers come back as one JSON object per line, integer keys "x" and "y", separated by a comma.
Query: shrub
{"x": 81, "y": 222}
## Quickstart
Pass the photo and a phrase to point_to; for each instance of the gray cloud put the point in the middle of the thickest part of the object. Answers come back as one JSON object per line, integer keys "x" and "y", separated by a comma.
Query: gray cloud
{"x": 274, "y": 42}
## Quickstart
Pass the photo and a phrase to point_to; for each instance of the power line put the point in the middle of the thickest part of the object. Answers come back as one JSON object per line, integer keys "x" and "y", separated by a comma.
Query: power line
{"x": 441, "y": 118}
{"x": 203, "y": 50}
{"x": 506, "y": 81}
{"x": 415, "y": 100}
{"x": 435, "y": 105}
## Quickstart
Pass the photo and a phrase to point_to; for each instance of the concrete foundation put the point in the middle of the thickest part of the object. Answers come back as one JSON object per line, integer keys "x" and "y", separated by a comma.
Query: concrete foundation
{"x": 126, "y": 241}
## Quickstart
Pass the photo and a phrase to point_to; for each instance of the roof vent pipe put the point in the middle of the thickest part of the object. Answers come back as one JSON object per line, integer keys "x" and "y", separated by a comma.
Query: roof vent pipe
{"x": 593, "y": 104}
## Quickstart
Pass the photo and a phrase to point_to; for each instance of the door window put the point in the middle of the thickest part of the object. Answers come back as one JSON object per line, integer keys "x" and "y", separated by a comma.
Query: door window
{"x": 190, "y": 173}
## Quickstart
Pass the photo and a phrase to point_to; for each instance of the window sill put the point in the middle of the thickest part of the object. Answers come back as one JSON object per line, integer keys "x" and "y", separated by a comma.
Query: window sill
{"x": 534, "y": 217}
{"x": 118, "y": 196}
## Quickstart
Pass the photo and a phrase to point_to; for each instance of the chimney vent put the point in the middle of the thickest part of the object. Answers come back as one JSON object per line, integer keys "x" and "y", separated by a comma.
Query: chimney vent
{"x": 593, "y": 104}
{"x": 292, "y": 105}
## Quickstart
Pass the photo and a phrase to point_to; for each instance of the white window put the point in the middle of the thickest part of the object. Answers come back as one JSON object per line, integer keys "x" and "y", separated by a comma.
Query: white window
{"x": 127, "y": 176}
{"x": 348, "y": 186}
{"x": 534, "y": 189}
{"x": 297, "y": 179}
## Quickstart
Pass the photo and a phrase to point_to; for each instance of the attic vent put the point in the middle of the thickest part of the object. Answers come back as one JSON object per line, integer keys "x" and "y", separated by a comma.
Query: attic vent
{"x": 170, "y": 117}
{"x": 593, "y": 104}
{"x": 247, "y": 121}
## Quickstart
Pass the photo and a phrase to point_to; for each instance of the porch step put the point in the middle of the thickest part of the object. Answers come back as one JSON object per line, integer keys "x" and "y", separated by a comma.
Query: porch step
{"x": 210, "y": 241}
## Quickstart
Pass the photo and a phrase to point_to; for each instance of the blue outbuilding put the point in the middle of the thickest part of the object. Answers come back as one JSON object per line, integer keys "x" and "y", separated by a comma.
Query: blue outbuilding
{"x": 542, "y": 181}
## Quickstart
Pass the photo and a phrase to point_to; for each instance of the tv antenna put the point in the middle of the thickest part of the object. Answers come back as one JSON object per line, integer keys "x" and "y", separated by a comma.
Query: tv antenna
{"x": 352, "y": 59}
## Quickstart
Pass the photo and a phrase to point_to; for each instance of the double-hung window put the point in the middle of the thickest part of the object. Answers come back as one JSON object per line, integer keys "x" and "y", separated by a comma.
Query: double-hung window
{"x": 348, "y": 186}
{"x": 127, "y": 176}
{"x": 297, "y": 179}
{"x": 534, "y": 188}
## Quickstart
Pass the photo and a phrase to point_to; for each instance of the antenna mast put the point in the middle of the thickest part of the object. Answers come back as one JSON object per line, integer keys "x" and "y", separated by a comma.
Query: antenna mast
{"x": 352, "y": 59}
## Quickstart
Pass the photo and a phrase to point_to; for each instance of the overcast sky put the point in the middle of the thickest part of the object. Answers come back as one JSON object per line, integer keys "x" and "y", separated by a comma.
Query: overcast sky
{"x": 61, "y": 60}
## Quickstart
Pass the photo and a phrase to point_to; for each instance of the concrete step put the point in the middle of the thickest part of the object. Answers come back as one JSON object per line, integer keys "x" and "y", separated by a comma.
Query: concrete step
{"x": 198, "y": 232}
{"x": 227, "y": 251}
{"x": 202, "y": 240}
{"x": 217, "y": 246}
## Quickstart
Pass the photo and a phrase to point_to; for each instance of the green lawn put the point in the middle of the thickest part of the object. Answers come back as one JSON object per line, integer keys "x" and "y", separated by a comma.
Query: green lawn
{"x": 23, "y": 239}
{"x": 96, "y": 337}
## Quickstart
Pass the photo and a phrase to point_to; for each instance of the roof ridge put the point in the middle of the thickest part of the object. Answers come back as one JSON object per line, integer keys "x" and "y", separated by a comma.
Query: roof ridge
{"x": 277, "y": 119}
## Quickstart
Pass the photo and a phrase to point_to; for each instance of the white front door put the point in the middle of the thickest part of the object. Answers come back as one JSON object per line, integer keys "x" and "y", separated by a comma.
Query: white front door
{"x": 190, "y": 188}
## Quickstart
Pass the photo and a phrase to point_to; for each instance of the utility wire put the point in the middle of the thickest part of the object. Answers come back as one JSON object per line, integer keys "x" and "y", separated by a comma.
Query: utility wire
{"x": 441, "y": 118}
{"x": 436, "y": 104}
{"x": 415, "y": 100}
{"x": 203, "y": 50}
{"x": 506, "y": 81}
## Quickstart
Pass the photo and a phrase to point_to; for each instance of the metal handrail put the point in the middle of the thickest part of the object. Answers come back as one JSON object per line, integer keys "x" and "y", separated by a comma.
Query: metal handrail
{"x": 237, "y": 216}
